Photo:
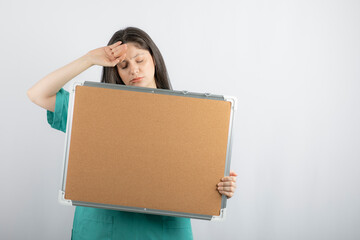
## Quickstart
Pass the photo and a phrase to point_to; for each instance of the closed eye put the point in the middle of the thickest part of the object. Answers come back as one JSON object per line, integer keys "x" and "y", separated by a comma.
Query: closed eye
{"x": 123, "y": 65}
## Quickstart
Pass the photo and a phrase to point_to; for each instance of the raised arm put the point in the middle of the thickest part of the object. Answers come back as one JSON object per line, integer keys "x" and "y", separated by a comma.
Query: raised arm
{"x": 43, "y": 93}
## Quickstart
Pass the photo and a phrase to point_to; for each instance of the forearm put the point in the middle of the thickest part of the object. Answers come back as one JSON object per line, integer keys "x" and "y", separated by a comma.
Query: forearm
{"x": 53, "y": 82}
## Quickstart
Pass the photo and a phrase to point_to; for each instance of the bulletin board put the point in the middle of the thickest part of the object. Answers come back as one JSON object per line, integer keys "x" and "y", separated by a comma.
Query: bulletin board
{"x": 147, "y": 150}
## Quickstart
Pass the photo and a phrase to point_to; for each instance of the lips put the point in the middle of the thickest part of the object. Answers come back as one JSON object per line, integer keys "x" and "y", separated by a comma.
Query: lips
{"x": 136, "y": 79}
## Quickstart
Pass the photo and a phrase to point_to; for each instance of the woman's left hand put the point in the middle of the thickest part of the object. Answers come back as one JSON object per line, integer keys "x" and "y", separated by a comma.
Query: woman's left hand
{"x": 227, "y": 185}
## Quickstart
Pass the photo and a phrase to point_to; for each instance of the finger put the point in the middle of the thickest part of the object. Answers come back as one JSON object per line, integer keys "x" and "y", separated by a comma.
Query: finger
{"x": 118, "y": 60}
{"x": 119, "y": 47}
{"x": 232, "y": 173}
{"x": 227, "y": 194}
{"x": 121, "y": 58}
{"x": 114, "y": 62}
{"x": 114, "y": 45}
{"x": 120, "y": 50}
{"x": 227, "y": 184}
{"x": 109, "y": 53}
{"x": 227, "y": 189}
{"x": 228, "y": 178}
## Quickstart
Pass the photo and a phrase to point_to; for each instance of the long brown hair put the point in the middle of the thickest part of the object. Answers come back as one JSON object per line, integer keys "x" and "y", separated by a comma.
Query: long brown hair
{"x": 143, "y": 41}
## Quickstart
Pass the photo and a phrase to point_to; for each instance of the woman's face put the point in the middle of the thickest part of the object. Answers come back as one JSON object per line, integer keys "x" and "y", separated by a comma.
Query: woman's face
{"x": 138, "y": 68}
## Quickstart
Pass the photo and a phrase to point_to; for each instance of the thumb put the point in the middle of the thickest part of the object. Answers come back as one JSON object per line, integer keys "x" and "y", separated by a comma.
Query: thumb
{"x": 232, "y": 173}
{"x": 114, "y": 62}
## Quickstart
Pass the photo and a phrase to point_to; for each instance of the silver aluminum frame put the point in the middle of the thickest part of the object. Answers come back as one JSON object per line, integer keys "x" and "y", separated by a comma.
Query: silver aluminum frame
{"x": 69, "y": 202}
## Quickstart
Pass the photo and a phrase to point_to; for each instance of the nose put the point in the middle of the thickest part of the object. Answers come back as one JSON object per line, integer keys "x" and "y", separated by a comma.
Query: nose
{"x": 134, "y": 69}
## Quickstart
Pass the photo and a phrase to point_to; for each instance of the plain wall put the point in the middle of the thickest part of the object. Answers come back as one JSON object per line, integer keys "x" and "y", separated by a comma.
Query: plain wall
{"x": 293, "y": 65}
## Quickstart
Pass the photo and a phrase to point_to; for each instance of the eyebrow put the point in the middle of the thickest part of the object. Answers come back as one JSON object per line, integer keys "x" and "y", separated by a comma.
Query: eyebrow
{"x": 137, "y": 55}
{"x": 124, "y": 61}
{"x": 133, "y": 57}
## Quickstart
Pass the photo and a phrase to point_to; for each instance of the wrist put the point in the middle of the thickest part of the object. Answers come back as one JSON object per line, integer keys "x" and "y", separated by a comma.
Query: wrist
{"x": 87, "y": 60}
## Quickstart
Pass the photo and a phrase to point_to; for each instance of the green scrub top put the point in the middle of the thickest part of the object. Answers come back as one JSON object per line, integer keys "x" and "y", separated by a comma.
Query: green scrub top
{"x": 100, "y": 224}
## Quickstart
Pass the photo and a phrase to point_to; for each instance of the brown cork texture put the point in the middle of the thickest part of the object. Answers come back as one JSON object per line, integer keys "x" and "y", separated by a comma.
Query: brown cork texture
{"x": 147, "y": 150}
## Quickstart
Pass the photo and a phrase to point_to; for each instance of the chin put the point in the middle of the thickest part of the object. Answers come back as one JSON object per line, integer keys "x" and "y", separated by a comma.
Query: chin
{"x": 139, "y": 84}
{"x": 142, "y": 84}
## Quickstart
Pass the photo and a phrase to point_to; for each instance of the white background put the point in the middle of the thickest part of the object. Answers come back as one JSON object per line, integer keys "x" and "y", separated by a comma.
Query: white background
{"x": 294, "y": 66}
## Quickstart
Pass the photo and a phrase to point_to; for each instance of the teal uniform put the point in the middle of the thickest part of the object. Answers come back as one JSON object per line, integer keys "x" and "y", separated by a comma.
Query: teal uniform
{"x": 100, "y": 224}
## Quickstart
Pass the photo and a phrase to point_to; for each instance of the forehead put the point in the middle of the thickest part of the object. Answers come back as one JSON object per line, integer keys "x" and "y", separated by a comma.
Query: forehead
{"x": 133, "y": 50}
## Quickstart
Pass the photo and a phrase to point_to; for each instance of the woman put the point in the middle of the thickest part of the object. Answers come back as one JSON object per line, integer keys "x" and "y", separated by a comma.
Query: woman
{"x": 130, "y": 58}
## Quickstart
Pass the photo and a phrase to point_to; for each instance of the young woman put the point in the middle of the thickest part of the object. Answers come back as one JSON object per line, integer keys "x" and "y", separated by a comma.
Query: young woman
{"x": 130, "y": 58}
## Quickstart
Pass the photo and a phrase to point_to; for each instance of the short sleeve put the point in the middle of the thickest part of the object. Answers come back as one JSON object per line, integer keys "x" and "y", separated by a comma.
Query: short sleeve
{"x": 58, "y": 118}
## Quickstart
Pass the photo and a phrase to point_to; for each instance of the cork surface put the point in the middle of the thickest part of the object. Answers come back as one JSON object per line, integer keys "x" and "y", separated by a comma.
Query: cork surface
{"x": 147, "y": 150}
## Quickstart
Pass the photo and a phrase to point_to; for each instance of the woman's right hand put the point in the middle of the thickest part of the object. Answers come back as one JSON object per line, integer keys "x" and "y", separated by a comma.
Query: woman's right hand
{"x": 43, "y": 93}
{"x": 108, "y": 56}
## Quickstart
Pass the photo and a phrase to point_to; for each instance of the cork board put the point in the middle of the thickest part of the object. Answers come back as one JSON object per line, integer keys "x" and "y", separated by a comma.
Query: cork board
{"x": 147, "y": 150}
